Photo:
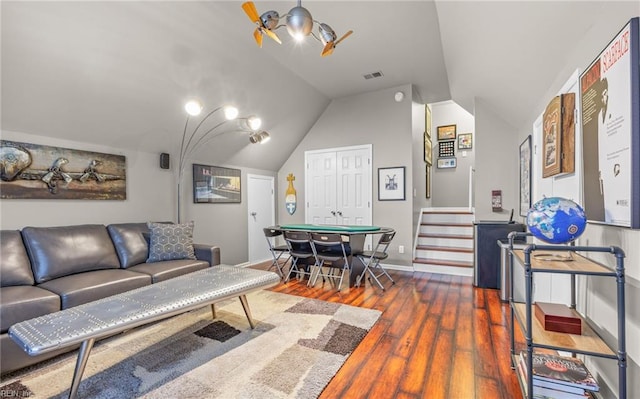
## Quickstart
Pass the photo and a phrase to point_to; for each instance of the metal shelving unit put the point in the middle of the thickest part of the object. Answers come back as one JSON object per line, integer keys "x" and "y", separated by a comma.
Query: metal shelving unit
{"x": 589, "y": 342}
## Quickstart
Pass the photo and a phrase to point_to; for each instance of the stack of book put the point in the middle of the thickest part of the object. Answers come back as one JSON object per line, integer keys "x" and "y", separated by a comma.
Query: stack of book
{"x": 558, "y": 377}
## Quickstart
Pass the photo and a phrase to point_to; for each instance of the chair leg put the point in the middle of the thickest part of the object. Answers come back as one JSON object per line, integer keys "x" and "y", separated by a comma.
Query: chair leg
{"x": 362, "y": 275}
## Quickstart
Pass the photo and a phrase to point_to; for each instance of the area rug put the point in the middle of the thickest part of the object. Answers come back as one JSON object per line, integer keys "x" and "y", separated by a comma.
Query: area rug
{"x": 298, "y": 345}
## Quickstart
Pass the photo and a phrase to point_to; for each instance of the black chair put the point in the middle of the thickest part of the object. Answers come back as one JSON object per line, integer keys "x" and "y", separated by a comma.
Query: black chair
{"x": 277, "y": 251}
{"x": 301, "y": 252}
{"x": 332, "y": 253}
{"x": 371, "y": 261}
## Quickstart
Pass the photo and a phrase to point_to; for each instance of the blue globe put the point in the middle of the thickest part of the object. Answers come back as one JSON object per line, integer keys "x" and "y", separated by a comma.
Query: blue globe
{"x": 556, "y": 220}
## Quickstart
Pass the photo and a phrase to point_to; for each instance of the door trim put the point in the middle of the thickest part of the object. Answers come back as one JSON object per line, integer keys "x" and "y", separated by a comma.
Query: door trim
{"x": 368, "y": 147}
{"x": 250, "y": 176}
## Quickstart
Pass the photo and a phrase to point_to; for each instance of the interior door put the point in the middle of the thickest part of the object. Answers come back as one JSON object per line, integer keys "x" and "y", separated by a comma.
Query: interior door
{"x": 338, "y": 186}
{"x": 261, "y": 214}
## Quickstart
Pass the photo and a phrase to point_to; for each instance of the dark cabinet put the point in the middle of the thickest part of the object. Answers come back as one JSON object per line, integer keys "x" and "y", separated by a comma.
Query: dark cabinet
{"x": 486, "y": 253}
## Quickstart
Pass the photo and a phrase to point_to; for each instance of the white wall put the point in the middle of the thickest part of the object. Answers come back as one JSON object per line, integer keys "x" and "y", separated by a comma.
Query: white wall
{"x": 451, "y": 186}
{"x": 369, "y": 118}
{"x": 496, "y": 163}
{"x": 150, "y": 193}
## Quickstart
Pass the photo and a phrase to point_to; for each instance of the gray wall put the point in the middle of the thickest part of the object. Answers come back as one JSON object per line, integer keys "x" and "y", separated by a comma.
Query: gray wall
{"x": 369, "y": 118}
{"x": 451, "y": 186}
{"x": 150, "y": 193}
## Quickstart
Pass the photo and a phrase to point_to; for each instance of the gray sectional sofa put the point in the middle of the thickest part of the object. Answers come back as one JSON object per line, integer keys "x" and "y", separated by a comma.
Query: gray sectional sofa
{"x": 46, "y": 269}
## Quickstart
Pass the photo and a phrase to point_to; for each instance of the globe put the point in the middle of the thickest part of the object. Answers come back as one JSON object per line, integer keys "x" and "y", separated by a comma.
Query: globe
{"x": 556, "y": 220}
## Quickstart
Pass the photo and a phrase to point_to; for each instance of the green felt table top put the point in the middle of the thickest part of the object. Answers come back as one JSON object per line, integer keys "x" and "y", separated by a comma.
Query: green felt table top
{"x": 327, "y": 227}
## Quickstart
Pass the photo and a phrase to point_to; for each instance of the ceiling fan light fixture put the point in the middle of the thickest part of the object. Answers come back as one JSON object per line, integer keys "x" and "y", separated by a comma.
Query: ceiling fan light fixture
{"x": 264, "y": 137}
{"x": 299, "y": 22}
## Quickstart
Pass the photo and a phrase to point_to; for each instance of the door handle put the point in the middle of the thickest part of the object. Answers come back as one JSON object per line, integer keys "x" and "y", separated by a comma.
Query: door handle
{"x": 339, "y": 213}
{"x": 333, "y": 213}
{"x": 253, "y": 214}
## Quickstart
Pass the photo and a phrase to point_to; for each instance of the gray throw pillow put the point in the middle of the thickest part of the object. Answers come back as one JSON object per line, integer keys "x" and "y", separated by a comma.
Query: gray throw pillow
{"x": 170, "y": 241}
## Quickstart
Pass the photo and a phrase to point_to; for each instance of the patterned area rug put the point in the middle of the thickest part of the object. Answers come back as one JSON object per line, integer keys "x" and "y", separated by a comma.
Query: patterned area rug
{"x": 296, "y": 348}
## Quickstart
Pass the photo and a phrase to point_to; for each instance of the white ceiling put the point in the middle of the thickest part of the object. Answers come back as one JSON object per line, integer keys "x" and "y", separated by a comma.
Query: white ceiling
{"x": 118, "y": 73}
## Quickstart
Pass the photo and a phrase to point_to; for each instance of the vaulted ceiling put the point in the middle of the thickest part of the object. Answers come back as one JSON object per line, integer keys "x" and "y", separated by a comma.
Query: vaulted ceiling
{"x": 118, "y": 73}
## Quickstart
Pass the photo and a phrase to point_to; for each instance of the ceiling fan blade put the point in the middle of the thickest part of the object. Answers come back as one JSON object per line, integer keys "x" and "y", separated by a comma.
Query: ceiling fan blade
{"x": 346, "y": 35}
{"x": 251, "y": 11}
{"x": 272, "y": 35}
{"x": 328, "y": 49}
{"x": 258, "y": 36}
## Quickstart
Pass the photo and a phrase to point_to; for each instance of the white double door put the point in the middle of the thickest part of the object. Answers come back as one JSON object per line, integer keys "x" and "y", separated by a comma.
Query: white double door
{"x": 338, "y": 187}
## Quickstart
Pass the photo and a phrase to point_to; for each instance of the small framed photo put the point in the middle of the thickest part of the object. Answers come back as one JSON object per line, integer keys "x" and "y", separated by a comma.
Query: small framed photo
{"x": 446, "y": 149}
{"x": 215, "y": 184}
{"x": 465, "y": 141}
{"x": 447, "y": 132}
{"x": 427, "y": 149}
{"x": 447, "y": 163}
{"x": 391, "y": 184}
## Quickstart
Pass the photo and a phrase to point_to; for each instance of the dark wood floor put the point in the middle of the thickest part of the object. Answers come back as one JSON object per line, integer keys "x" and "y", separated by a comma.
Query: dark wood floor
{"x": 438, "y": 337}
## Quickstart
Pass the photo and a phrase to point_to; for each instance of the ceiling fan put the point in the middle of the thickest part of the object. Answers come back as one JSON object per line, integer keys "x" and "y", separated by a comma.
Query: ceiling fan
{"x": 299, "y": 23}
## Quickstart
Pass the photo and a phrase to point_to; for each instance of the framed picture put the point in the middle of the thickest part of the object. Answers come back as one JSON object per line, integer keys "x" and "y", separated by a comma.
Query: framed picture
{"x": 428, "y": 181}
{"x": 427, "y": 121}
{"x": 447, "y": 132}
{"x": 427, "y": 149}
{"x": 525, "y": 176}
{"x": 551, "y": 138}
{"x": 447, "y": 163}
{"x": 391, "y": 184}
{"x": 465, "y": 141}
{"x": 446, "y": 149}
{"x": 215, "y": 184}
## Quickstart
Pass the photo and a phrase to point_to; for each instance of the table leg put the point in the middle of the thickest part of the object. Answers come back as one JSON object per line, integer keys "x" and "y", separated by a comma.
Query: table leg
{"x": 247, "y": 311}
{"x": 81, "y": 363}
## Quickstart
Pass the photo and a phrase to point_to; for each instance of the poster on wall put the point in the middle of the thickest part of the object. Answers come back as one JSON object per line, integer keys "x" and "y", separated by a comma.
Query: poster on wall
{"x": 610, "y": 110}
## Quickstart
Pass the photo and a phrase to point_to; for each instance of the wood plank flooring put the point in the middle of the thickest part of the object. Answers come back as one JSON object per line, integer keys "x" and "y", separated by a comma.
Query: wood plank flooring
{"x": 438, "y": 337}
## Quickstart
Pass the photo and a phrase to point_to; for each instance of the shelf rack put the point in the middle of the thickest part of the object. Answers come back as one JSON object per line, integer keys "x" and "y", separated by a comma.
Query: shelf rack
{"x": 589, "y": 342}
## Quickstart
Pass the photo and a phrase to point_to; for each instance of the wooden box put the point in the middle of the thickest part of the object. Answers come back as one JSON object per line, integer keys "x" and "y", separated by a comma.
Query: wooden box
{"x": 558, "y": 317}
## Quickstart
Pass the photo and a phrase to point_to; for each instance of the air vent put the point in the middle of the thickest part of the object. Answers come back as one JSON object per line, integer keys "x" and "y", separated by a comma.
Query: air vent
{"x": 372, "y": 75}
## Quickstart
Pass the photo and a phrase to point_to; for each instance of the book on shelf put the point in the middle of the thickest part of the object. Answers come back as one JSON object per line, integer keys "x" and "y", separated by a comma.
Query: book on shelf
{"x": 561, "y": 370}
{"x": 545, "y": 389}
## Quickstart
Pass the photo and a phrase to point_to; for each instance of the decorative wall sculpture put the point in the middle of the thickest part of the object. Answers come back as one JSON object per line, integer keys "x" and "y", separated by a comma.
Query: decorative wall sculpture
{"x": 32, "y": 171}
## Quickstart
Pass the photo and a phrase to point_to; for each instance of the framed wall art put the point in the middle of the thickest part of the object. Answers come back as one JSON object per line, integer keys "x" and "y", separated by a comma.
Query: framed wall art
{"x": 391, "y": 184}
{"x": 447, "y": 132}
{"x": 446, "y": 149}
{"x": 525, "y": 176}
{"x": 465, "y": 141}
{"x": 215, "y": 184}
{"x": 34, "y": 171}
{"x": 447, "y": 163}
{"x": 427, "y": 121}
{"x": 428, "y": 149}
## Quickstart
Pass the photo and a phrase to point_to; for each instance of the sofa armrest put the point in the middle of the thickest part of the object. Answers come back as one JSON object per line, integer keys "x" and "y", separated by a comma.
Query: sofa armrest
{"x": 209, "y": 253}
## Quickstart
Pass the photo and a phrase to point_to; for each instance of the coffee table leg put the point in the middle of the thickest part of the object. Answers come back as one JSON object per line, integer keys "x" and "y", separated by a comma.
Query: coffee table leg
{"x": 247, "y": 311}
{"x": 81, "y": 363}
{"x": 213, "y": 310}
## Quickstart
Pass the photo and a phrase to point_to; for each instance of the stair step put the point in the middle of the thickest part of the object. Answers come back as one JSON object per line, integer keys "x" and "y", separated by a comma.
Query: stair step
{"x": 446, "y": 236}
{"x": 445, "y": 249}
{"x": 447, "y": 212}
{"x": 442, "y": 262}
{"x": 446, "y": 224}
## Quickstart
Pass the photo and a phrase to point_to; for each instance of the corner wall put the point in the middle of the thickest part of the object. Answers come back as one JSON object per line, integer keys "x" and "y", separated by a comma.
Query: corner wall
{"x": 369, "y": 118}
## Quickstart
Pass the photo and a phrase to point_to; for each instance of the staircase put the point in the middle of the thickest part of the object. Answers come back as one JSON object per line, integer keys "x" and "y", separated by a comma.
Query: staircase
{"x": 444, "y": 241}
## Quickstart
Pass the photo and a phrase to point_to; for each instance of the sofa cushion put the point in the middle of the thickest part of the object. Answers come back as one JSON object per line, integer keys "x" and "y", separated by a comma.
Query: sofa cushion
{"x": 25, "y": 302}
{"x": 15, "y": 268}
{"x": 170, "y": 241}
{"x": 85, "y": 287}
{"x": 60, "y": 251}
{"x": 160, "y": 271}
{"x": 129, "y": 240}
